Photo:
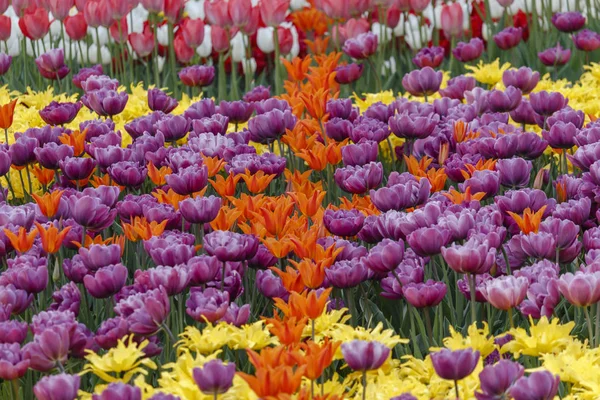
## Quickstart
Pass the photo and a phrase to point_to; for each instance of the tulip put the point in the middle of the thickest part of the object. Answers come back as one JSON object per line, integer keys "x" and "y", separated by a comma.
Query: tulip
{"x": 547, "y": 103}
{"x": 173, "y": 279}
{"x": 259, "y": 94}
{"x": 587, "y": 40}
{"x": 504, "y": 101}
{"x": 386, "y": 256}
{"x": 214, "y": 377}
{"x": 145, "y": 312}
{"x": 361, "y": 47}
{"x": 365, "y": 356}
{"x": 346, "y": 74}
{"x": 539, "y": 385}
{"x": 369, "y": 128}
{"x": 127, "y": 173}
{"x": 270, "y": 285}
{"x": 49, "y": 347}
{"x": 51, "y": 65}
{"x": 429, "y": 57}
{"x": 160, "y": 101}
{"x": 422, "y": 82}
{"x": 119, "y": 390}
{"x": 236, "y": 111}
{"x": 341, "y": 108}
{"x": 107, "y": 281}
{"x": 89, "y": 212}
{"x": 474, "y": 257}
{"x": 67, "y": 298}
{"x": 35, "y": 23}
{"x": 346, "y": 274}
{"x": 273, "y": 12}
{"x": 456, "y": 87}
{"x": 338, "y": 129}
{"x": 506, "y": 292}
{"x": 77, "y": 168}
{"x": 508, "y": 38}
{"x": 12, "y": 363}
{"x": 105, "y": 102}
{"x": 76, "y": 27}
{"x": 230, "y": 246}
{"x": 428, "y": 241}
{"x": 468, "y": 51}
{"x": 54, "y": 387}
{"x": 270, "y": 126}
{"x": 5, "y": 27}
{"x": 13, "y": 331}
{"x": 5, "y": 62}
{"x": 142, "y": 43}
{"x": 59, "y": 113}
{"x": 208, "y": 305}
{"x": 523, "y": 78}
{"x": 452, "y": 20}
{"x": 428, "y": 294}
{"x": 200, "y": 210}
{"x": 580, "y": 289}
{"x": 454, "y": 365}
{"x": 401, "y": 196}
{"x": 555, "y": 56}
{"x": 188, "y": 180}
{"x": 568, "y": 22}
{"x": 514, "y": 172}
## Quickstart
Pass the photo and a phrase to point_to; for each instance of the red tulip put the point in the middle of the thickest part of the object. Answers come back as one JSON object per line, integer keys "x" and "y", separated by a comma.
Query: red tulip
{"x": 183, "y": 51}
{"x": 172, "y": 10}
{"x": 419, "y": 5}
{"x": 119, "y": 8}
{"x": 79, "y": 4}
{"x": 192, "y": 31}
{"x": 76, "y": 26}
{"x": 220, "y": 39}
{"x": 34, "y": 23}
{"x": 273, "y": 12}
{"x": 153, "y": 6}
{"x": 240, "y": 12}
{"x": 59, "y": 8}
{"x": 452, "y": 20}
{"x": 286, "y": 40}
{"x": 118, "y": 30}
{"x": 20, "y": 6}
{"x": 5, "y": 25}
{"x": 334, "y": 9}
{"x": 4, "y": 6}
{"x": 98, "y": 13}
{"x": 252, "y": 26}
{"x": 142, "y": 43}
{"x": 217, "y": 13}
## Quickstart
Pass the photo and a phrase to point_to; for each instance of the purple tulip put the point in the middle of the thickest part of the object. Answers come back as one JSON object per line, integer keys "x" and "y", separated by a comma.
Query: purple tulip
{"x": 427, "y": 294}
{"x": 49, "y": 348}
{"x": 214, "y": 377}
{"x": 561, "y": 135}
{"x": 237, "y": 111}
{"x": 52, "y": 154}
{"x": 173, "y": 127}
{"x": 346, "y": 74}
{"x": 97, "y": 82}
{"x": 200, "y": 210}
{"x": 85, "y": 73}
{"x": 209, "y": 305}
{"x": 539, "y": 245}
{"x": 429, "y": 57}
{"x": 22, "y": 151}
{"x": 404, "y": 396}
{"x": 587, "y": 40}
{"x": 504, "y": 101}
{"x": 258, "y": 93}
{"x": 160, "y": 101}
{"x": 119, "y": 390}
{"x": 338, "y": 129}
{"x": 77, "y": 168}
{"x": 30, "y": 278}
{"x": 270, "y": 285}
{"x": 485, "y": 181}
{"x": 539, "y": 385}
{"x": 262, "y": 259}
{"x": 230, "y": 246}
{"x": 12, "y": 363}
{"x": 514, "y": 172}
{"x": 111, "y": 331}
{"x": 105, "y": 102}
{"x": 547, "y": 103}
{"x": 60, "y": 113}
{"x": 236, "y": 315}
{"x": 271, "y": 104}
{"x": 343, "y": 223}
{"x": 412, "y": 126}
{"x": 341, "y": 108}
{"x": 496, "y": 380}
{"x": 128, "y": 173}
{"x": 506, "y": 292}
{"x": 51, "y": 64}
{"x": 422, "y": 82}
{"x": 369, "y": 128}
{"x": 271, "y": 126}
{"x": 107, "y": 281}
{"x": 362, "y": 46}
{"x": 67, "y": 298}
{"x": 523, "y": 78}
{"x": 555, "y": 56}
{"x": 457, "y": 86}
{"x": 347, "y": 274}
{"x": 202, "y": 269}
{"x": 361, "y": 355}
{"x": 173, "y": 279}
{"x": 13, "y": 331}
{"x": 98, "y": 255}
{"x": 188, "y": 180}
{"x": 401, "y": 196}
{"x": 468, "y": 51}
{"x": 57, "y": 387}
{"x": 359, "y": 179}
{"x": 361, "y": 153}
{"x": 473, "y": 257}
{"x": 5, "y": 161}
{"x": 454, "y": 365}
{"x": 580, "y": 289}
{"x": 204, "y": 108}
{"x": 568, "y": 22}
{"x": 5, "y": 62}
{"x": 145, "y": 312}
{"x": 197, "y": 75}
{"x": 18, "y": 299}
{"x": 89, "y": 212}
{"x": 524, "y": 114}
{"x": 428, "y": 241}
{"x": 508, "y": 38}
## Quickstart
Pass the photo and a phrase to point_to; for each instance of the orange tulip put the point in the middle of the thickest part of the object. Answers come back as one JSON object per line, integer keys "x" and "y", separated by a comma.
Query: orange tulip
{"x": 75, "y": 139}
{"x": 271, "y": 357}
{"x": 226, "y": 218}
{"x": 49, "y": 202}
{"x": 308, "y": 205}
{"x": 417, "y": 167}
{"x": 275, "y": 220}
{"x": 7, "y": 112}
{"x": 312, "y": 273}
{"x": 92, "y": 240}
{"x": 43, "y": 175}
{"x": 317, "y": 357}
{"x": 214, "y": 165}
{"x": 292, "y": 98}
{"x": 530, "y": 221}
{"x": 22, "y": 241}
{"x": 317, "y": 46}
{"x": 303, "y": 136}
{"x": 460, "y": 131}
{"x": 315, "y": 103}
{"x": 444, "y": 152}
{"x": 267, "y": 383}
{"x": 120, "y": 240}
{"x": 104, "y": 180}
{"x": 311, "y": 305}
{"x": 437, "y": 178}
{"x": 225, "y": 187}
{"x": 461, "y": 198}
{"x": 311, "y": 19}
{"x": 301, "y": 183}
{"x": 316, "y": 157}
{"x": 361, "y": 203}
{"x": 561, "y": 191}
{"x": 290, "y": 279}
{"x": 157, "y": 175}
{"x": 279, "y": 247}
{"x": 297, "y": 68}
{"x": 306, "y": 246}
{"x": 479, "y": 166}
{"x": 258, "y": 182}
{"x": 173, "y": 198}
{"x": 52, "y": 239}
{"x": 140, "y": 228}
{"x": 288, "y": 331}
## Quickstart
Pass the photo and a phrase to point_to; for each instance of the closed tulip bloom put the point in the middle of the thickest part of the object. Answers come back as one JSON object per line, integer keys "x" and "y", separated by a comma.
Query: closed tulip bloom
{"x": 343, "y": 222}
{"x": 468, "y": 51}
{"x": 539, "y": 385}
{"x": 504, "y": 101}
{"x": 273, "y": 12}
{"x": 422, "y": 82}
{"x": 404, "y": 396}
{"x": 200, "y": 210}
{"x": 5, "y": 161}
{"x": 203, "y": 269}
{"x": 52, "y": 154}
{"x": 12, "y": 363}
{"x": 429, "y": 57}
{"x": 22, "y": 151}
{"x": 539, "y": 245}
{"x": 98, "y": 255}
{"x": 77, "y": 168}
{"x": 457, "y": 86}
{"x": 128, "y": 173}
{"x": 361, "y": 355}
{"x": 580, "y": 289}
{"x": 524, "y": 79}
{"x": 452, "y": 19}
{"x": 547, "y": 103}
{"x": 209, "y": 305}
{"x": 341, "y": 108}
{"x": 508, "y": 38}
{"x": 485, "y": 181}
{"x": 236, "y": 111}
{"x": 51, "y": 65}
{"x": 5, "y": 62}
{"x": 587, "y": 40}
{"x": 57, "y": 387}
{"x": 60, "y": 113}
{"x": 270, "y": 285}
{"x": 361, "y": 47}
{"x": 214, "y": 377}
{"x": 145, "y": 312}
{"x": 263, "y": 258}
{"x": 401, "y": 196}
{"x": 555, "y": 56}
{"x": 361, "y": 153}
{"x": 119, "y": 390}
{"x": 338, "y": 129}
{"x": 197, "y": 75}
{"x": 188, "y": 180}
{"x": 346, "y": 74}
{"x": 427, "y": 294}
{"x": 506, "y": 292}
{"x": 89, "y": 212}
{"x": 173, "y": 279}
{"x": 473, "y": 257}
{"x": 413, "y": 126}
{"x": 85, "y": 73}
{"x": 110, "y": 332}
{"x": 160, "y": 101}
{"x": 13, "y": 331}
{"x": 524, "y": 114}
{"x": 561, "y": 135}
{"x": 30, "y": 278}
{"x": 385, "y": 256}
{"x": 270, "y": 126}
{"x": 427, "y": 242}
{"x": 359, "y": 179}
{"x": 497, "y": 379}
{"x": 568, "y": 22}
{"x": 49, "y": 347}
{"x": 514, "y": 172}
{"x": 230, "y": 246}
{"x": 454, "y": 365}
{"x": 347, "y": 274}
{"x": 107, "y": 281}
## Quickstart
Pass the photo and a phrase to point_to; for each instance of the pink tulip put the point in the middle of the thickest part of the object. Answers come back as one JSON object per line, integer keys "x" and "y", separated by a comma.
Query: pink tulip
{"x": 273, "y": 12}
{"x": 452, "y": 20}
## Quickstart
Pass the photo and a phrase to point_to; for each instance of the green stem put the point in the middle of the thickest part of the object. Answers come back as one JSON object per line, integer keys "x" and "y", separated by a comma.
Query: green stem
{"x": 222, "y": 82}
{"x": 456, "y": 389}
{"x": 172, "y": 61}
{"x": 15, "y": 388}
{"x": 597, "y": 335}
{"x": 223, "y": 276}
{"x": 364, "y": 384}
{"x": 375, "y": 74}
{"x": 472, "y": 283}
{"x": 277, "y": 77}
{"x": 588, "y": 320}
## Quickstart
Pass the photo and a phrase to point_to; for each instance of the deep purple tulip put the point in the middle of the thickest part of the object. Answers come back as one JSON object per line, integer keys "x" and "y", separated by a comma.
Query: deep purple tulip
{"x": 12, "y": 363}
{"x": 203, "y": 269}
{"x": 57, "y": 387}
{"x": 454, "y": 365}
{"x": 422, "y": 82}
{"x": 386, "y": 256}
{"x": 346, "y": 74}
{"x": 413, "y": 126}
{"x": 170, "y": 249}
{"x": 369, "y": 128}
{"x": 49, "y": 347}
{"x": 111, "y": 331}
{"x": 204, "y": 108}
{"x": 30, "y": 278}
{"x": 473, "y": 257}
{"x": 51, "y": 64}
{"x": 270, "y": 285}
{"x": 271, "y": 126}
{"x": 188, "y": 180}
{"x": 230, "y": 246}
{"x": 514, "y": 172}
{"x": 160, "y": 101}
{"x": 85, "y": 73}
{"x": 22, "y": 151}
{"x": 401, "y": 196}
{"x": 18, "y": 299}
{"x": 523, "y": 78}
{"x": 209, "y": 305}
{"x": 429, "y": 57}
{"x": 214, "y": 377}
{"x": 539, "y": 385}
{"x": 67, "y": 298}
{"x": 5, "y": 62}
{"x": 105, "y": 102}
{"x": 468, "y": 51}
{"x": 258, "y": 93}
{"x": 119, "y": 390}
{"x": 341, "y": 108}
{"x": 236, "y": 111}
{"x": 343, "y": 223}
{"x": 89, "y": 212}
{"x": 197, "y": 75}
{"x": 263, "y": 258}
{"x": 485, "y": 181}
{"x": 200, "y": 210}
{"x": 547, "y": 103}
{"x": 428, "y": 241}
{"x": 568, "y": 22}
{"x": 567, "y": 115}
{"x": 97, "y": 82}
{"x": 404, "y": 396}
{"x": 561, "y": 135}
{"x": 587, "y": 40}
{"x": 427, "y": 294}
{"x": 457, "y": 86}
{"x": 361, "y": 153}
{"x": 173, "y": 127}
{"x": 5, "y": 161}
{"x": 379, "y": 111}
{"x": 555, "y": 56}
{"x": 524, "y": 114}
{"x": 60, "y": 113}
{"x": 128, "y": 173}
{"x": 508, "y": 38}
{"x": 362, "y": 46}
{"x": 107, "y": 281}
{"x": 504, "y": 101}
{"x": 13, "y": 331}
{"x": 347, "y": 273}
{"x": 77, "y": 168}
{"x": 338, "y": 129}
{"x": 145, "y": 312}
{"x": 497, "y": 379}
{"x": 361, "y": 355}
{"x": 359, "y": 179}
{"x": 52, "y": 154}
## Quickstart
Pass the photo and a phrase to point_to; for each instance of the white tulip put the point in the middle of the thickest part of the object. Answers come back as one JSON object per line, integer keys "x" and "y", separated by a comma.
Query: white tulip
{"x": 205, "y": 48}
{"x": 264, "y": 40}
{"x": 238, "y": 47}
{"x": 195, "y": 9}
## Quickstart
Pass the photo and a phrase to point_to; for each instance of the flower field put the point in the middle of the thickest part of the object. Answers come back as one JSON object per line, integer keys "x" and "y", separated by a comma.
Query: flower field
{"x": 298, "y": 200}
